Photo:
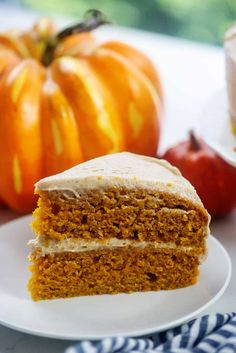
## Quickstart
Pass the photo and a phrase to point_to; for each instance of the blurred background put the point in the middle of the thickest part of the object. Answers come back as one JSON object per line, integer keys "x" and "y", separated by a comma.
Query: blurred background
{"x": 199, "y": 20}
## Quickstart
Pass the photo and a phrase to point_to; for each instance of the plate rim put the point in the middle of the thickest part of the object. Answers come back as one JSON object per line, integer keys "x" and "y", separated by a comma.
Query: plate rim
{"x": 137, "y": 333}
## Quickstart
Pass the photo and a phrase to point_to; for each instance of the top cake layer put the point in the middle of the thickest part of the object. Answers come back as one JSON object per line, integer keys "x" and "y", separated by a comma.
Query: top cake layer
{"x": 124, "y": 196}
{"x": 121, "y": 170}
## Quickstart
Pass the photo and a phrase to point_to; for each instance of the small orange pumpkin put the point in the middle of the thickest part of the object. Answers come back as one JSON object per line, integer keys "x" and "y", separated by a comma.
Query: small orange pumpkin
{"x": 65, "y": 99}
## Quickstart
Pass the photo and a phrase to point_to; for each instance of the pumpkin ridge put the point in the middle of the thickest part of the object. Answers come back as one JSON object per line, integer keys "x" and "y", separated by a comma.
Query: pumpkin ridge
{"x": 138, "y": 59}
{"x": 20, "y": 140}
{"x": 97, "y": 60}
{"x": 15, "y": 44}
{"x": 92, "y": 108}
{"x": 56, "y": 111}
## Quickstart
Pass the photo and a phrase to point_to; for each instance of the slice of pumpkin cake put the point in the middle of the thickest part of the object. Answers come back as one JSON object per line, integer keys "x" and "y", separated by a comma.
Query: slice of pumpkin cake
{"x": 118, "y": 223}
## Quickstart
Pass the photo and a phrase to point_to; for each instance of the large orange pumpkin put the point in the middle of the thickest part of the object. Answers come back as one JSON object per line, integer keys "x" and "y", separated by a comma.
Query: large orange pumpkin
{"x": 65, "y": 99}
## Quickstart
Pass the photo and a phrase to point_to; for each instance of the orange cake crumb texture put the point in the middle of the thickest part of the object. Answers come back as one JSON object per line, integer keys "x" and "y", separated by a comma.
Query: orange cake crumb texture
{"x": 111, "y": 271}
{"x": 136, "y": 214}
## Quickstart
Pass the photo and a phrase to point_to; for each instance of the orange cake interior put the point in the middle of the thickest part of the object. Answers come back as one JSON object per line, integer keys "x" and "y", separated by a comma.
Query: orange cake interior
{"x": 116, "y": 224}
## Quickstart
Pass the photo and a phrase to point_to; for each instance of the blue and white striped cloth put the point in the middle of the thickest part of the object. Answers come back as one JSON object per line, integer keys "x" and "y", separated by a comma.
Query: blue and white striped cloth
{"x": 208, "y": 334}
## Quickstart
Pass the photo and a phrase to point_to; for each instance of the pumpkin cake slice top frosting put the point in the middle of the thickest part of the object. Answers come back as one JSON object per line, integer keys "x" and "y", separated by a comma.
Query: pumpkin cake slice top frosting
{"x": 122, "y": 169}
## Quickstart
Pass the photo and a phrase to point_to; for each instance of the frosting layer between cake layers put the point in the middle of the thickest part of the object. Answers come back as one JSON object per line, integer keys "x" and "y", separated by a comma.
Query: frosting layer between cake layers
{"x": 51, "y": 246}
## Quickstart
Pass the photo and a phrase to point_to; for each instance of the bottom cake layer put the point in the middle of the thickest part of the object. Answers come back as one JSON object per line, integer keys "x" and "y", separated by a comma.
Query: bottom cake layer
{"x": 111, "y": 271}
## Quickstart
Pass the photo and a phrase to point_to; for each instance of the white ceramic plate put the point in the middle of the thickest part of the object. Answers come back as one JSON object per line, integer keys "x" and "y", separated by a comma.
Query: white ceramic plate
{"x": 216, "y": 129}
{"x": 99, "y": 316}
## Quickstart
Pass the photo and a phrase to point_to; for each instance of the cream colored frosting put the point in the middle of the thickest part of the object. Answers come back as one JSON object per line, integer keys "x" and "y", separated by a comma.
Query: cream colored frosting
{"x": 230, "y": 57}
{"x": 51, "y": 246}
{"x": 121, "y": 169}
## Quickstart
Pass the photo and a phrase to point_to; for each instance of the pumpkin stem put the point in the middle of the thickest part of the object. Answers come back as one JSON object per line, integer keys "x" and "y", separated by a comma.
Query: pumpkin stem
{"x": 92, "y": 20}
{"x": 195, "y": 144}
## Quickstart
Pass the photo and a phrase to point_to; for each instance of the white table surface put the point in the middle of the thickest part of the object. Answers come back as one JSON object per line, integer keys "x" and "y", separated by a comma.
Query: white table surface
{"x": 191, "y": 73}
